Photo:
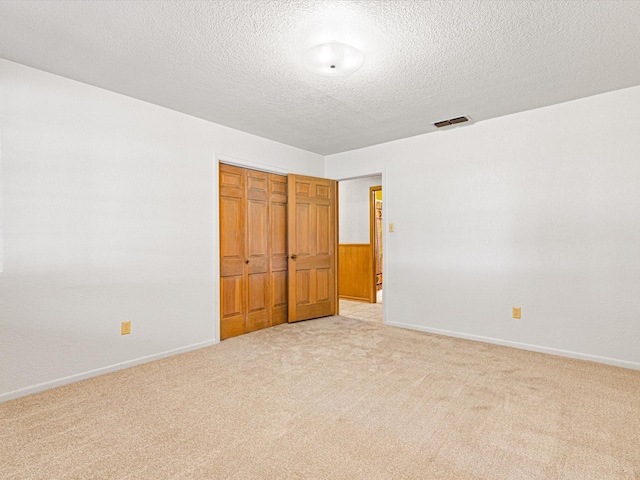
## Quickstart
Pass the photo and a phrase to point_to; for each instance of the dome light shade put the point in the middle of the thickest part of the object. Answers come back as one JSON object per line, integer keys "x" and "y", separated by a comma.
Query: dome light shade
{"x": 333, "y": 59}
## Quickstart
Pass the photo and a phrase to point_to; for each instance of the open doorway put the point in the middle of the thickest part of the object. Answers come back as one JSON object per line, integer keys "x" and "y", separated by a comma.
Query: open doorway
{"x": 360, "y": 248}
{"x": 375, "y": 234}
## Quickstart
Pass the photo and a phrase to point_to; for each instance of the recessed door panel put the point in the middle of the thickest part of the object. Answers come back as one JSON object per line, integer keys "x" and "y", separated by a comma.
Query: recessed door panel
{"x": 323, "y": 285}
{"x": 279, "y": 288}
{"x": 232, "y": 311}
{"x": 323, "y": 220}
{"x": 323, "y": 191}
{"x": 303, "y": 288}
{"x": 257, "y": 292}
{"x": 303, "y": 230}
{"x": 257, "y": 228}
{"x": 231, "y": 181}
{"x": 232, "y": 296}
{"x": 257, "y": 302}
{"x": 231, "y": 237}
{"x": 278, "y": 229}
{"x": 278, "y": 185}
{"x": 303, "y": 189}
{"x": 257, "y": 183}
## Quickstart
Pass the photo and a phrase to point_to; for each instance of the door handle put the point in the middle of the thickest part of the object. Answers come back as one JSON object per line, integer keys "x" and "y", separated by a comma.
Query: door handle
{"x": 293, "y": 256}
{"x": 246, "y": 261}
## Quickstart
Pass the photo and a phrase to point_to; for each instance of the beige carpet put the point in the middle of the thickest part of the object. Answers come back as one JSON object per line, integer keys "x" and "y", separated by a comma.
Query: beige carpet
{"x": 334, "y": 398}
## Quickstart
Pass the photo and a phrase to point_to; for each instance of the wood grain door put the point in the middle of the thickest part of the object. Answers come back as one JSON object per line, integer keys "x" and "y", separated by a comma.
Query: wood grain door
{"x": 232, "y": 252}
{"x": 312, "y": 238}
{"x": 278, "y": 247}
{"x": 257, "y": 251}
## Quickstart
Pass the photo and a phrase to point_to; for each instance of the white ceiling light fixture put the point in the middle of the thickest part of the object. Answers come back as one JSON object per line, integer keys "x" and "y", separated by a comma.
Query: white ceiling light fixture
{"x": 333, "y": 59}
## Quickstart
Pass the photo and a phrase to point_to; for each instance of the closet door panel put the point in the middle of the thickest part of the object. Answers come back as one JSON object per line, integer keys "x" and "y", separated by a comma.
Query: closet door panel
{"x": 232, "y": 254}
{"x": 278, "y": 247}
{"x": 257, "y": 261}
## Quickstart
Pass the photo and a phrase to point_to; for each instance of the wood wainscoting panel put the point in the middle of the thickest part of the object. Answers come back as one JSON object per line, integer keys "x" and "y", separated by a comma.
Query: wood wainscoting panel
{"x": 355, "y": 271}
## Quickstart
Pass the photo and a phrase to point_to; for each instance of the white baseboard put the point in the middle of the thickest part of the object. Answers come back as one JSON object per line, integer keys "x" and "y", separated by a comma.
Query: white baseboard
{"x": 523, "y": 346}
{"x": 101, "y": 371}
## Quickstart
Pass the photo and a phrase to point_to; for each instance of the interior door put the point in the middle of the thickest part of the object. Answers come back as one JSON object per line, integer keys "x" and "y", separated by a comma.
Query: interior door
{"x": 312, "y": 240}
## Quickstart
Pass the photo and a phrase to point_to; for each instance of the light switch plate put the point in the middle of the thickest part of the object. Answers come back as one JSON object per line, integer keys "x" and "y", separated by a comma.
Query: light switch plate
{"x": 125, "y": 328}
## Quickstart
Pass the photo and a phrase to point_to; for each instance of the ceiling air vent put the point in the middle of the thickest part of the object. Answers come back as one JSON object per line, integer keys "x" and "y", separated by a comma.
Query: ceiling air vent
{"x": 452, "y": 121}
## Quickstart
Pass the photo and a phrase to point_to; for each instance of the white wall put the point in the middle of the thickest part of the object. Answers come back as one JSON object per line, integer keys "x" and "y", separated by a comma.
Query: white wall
{"x": 539, "y": 210}
{"x": 109, "y": 215}
{"x": 353, "y": 196}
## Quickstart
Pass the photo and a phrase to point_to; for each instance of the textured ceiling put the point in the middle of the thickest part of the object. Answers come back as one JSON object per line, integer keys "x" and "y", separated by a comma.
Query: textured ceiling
{"x": 239, "y": 63}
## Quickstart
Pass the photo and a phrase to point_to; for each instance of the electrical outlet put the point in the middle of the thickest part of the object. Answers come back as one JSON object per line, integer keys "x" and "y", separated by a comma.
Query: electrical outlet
{"x": 517, "y": 312}
{"x": 125, "y": 328}
{"x": 391, "y": 227}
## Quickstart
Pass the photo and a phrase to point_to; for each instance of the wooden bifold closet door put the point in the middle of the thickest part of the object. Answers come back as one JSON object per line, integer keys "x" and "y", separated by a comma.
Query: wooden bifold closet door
{"x": 253, "y": 250}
